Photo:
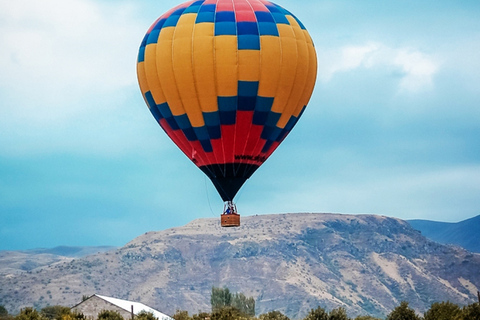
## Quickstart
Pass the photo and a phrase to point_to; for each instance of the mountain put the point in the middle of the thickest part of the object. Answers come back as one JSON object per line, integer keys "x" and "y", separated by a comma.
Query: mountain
{"x": 464, "y": 233}
{"x": 287, "y": 262}
{"x": 72, "y": 252}
{"x": 26, "y": 260}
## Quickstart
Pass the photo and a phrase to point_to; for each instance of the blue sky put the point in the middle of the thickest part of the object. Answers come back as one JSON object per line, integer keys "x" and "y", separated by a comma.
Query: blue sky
{"x": 393, "y": 126}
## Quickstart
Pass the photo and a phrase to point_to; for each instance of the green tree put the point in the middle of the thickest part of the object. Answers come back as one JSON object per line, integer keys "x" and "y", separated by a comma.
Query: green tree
{"x": 226, "y": 313}
{"x": 73, "y": 315}
{"x": 244, "y": 304}
{"x": 109, "y": 315}
{"x": 3, "y": 312}
{"x": 470, "y": 312}
{"x": 202, "y": 316}
{"x": 317, "y": 314}
{"x": 273, "y": 315}
{"x": 403, "y": 312}
{"x": 366, "y": 318}
{"x": 144, "y": 315}
{"x": 220, "y": 298}
{"x": 55, "y": 312}
{"x": 442, "y": 311}
{"x": 29, "y": 314}
{"x": 338, "y": 314}
{"x": 181, "y": 315}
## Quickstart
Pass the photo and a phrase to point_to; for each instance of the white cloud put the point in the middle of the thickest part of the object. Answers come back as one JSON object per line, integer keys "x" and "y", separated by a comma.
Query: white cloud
{"x": 417, "y": 69}
{"x": 56, "y": 55}
{"x": 68, "y": 77}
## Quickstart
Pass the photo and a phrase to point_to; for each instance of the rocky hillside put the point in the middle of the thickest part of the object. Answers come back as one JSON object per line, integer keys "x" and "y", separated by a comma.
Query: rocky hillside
{"x": 26, "y": 260}
{"x": 288, "y": 262}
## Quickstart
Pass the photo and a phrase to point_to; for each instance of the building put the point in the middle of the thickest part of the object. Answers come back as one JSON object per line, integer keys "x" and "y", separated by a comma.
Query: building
{"x": 92, "y": 306}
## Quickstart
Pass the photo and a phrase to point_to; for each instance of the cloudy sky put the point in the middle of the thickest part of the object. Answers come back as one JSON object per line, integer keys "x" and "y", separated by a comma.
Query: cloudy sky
{"x": 393, "y": 126}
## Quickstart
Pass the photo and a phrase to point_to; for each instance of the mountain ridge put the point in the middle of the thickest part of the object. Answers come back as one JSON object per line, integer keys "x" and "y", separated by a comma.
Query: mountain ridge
{"x": 287, "y": 262}
{"x": 465, "y": 234}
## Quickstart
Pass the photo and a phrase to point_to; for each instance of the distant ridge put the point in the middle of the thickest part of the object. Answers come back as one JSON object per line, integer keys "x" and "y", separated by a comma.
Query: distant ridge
{"x": 465, "y": 234}
{"x": 27, "y": 260}
{"x": 71, "y": 252}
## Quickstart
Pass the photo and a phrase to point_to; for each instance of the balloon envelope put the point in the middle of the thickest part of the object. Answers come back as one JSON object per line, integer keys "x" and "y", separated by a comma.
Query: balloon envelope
{"x": 227, "y": 80}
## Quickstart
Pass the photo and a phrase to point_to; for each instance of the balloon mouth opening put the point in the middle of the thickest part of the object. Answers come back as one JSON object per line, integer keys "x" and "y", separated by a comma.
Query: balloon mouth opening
{"x": 228, "y": 178}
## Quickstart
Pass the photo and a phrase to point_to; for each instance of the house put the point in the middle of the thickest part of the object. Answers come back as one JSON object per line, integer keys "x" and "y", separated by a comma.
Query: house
{"x": 92, "y": 306}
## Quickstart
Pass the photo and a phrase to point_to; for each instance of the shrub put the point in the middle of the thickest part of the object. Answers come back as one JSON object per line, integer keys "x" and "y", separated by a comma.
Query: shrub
{"x": 273, "y": 315}
{"x": 55, "y": 312}
{"x": 470, "y": 312}
{"x": 144, "y": 315}
{"x": 181, "y": 315}
{"x": 109, "y": 315}
{"x": 442, "y": 311}
{"x": 226, "y": 313}
{"x": 338, "y": 314}
{"x": 317, "y": 314}
{"x": 403, "y": 312}
{"x": 29, "y": 314}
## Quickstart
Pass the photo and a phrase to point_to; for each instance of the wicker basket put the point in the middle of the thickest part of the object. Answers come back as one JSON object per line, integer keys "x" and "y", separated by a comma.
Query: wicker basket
{"x": 230, "y": 220}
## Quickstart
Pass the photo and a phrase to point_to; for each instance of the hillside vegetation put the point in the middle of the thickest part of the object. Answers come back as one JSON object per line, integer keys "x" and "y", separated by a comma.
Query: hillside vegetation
{"x": 227, "y": 306}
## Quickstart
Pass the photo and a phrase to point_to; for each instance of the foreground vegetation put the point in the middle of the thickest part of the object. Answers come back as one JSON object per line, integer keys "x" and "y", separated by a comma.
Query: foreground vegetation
{"x": 228, "y": 306}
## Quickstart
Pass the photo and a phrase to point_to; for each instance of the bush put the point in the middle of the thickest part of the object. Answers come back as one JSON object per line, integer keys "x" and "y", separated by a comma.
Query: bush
{"x": 144, "y": 315}
{"x": 226, "y": 313}
{"x": 403, "y": 312}
{"x": 74, "y": 316}
{"x": 317, "y": 314}
{"x": 223, "y": 298}
{"x": 470, "y": 312}
{"x": 29, "y": 314}
{"x": 4, "y": 313}
{"x": 338, "y": 314}
{"x": 109, "y": 315}
{"x": 273, "y": 315}
{"x": 55, "y": 312}
{"x": 181, "y": 315}
{"x": 202, "y": 316}
{"x": 442, "y": 311}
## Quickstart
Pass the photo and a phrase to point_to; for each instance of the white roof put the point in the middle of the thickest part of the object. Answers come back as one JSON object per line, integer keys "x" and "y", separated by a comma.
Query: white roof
{"x": 137, "y": 307}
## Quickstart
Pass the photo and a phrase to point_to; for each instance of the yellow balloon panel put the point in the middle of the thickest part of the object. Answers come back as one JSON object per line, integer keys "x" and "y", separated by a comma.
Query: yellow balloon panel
{"x": 183, "y": 69}
{"x": 166, "y": 74}
{"x": 288, "y": 67}
{"x": 204, "y": 66}
{"x": 226, "y": 66}
{"x": 301, "y": 74}
{"x": 270, "y": 60}
{"x": 248, "y": 65}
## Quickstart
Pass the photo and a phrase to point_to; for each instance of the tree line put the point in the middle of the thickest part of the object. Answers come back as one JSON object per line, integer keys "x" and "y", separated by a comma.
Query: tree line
{"x": 236, "y": 306}
{"x": 65, "y": 313}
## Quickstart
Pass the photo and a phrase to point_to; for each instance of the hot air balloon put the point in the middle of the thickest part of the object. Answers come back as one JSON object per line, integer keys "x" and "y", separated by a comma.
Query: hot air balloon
{"x": 227, "y": 80}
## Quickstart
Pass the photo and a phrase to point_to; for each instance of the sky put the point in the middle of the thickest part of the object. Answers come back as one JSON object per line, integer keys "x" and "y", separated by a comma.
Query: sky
{"x": 392, "y": 128}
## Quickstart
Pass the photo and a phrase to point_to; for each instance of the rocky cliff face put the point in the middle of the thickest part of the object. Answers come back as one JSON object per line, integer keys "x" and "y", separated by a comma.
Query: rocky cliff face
{"x": 290, "y": 262}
